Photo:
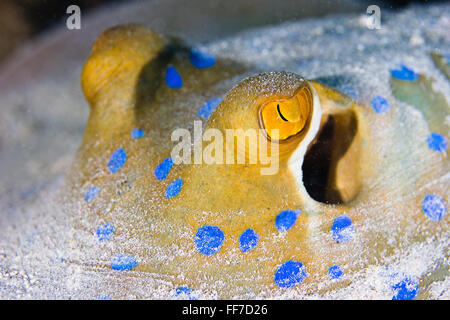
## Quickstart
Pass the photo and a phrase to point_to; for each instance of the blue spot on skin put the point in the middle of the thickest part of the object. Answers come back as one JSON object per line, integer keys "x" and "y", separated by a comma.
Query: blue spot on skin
{"x": 342, "y": 228}
{"x": 173, "y": 78}
{"x": 405, "y": 290}
{"x": 286, "y": 219}
{"x": 248, "y": 240}
{"x": 209, "y": 239}
{"x": 184, "y": 291}
{"x": 137, "y": 133}
{"x": 380, "y": 104}
{"x": 447, "y": 58}
{"x": 404, "y": 73}
{"x": 174, "y": 188}
{"x": 117, "y": 160}
{"x": 123, "y": 262}
{"x": 437, "y": 142}
{"x": 349, "y": 90}
{"x": 289, "y": 274}
{"x": 162, "y": 170}
{"x": 434, "y": 207}
{"x": 201, "y": 60}
{"x": 305, "y": 62}
{"x": 335, "y": 272}
{"x": 105, "y": 232}
{"x": 91, "y": 193}
{"x": 208, "y": 107}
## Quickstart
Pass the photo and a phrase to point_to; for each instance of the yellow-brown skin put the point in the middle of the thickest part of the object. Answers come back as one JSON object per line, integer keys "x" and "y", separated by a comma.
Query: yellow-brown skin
{"x": 123, "y": 81}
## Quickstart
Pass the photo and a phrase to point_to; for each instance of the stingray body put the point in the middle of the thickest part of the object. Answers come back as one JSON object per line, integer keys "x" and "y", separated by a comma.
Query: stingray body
{"x": 227, "y": 226}
{"x": 355, "y": 200}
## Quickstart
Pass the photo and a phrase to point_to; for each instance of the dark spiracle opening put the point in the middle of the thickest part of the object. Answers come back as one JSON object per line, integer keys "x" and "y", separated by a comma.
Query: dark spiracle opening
{"x": 330, "y": 166}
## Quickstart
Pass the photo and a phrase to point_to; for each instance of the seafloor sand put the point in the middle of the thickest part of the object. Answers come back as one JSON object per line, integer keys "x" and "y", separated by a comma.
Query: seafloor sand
{"x": 39, "y": 248}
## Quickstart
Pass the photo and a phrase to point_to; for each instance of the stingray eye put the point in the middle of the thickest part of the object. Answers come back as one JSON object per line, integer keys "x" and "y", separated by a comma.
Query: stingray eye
{"x": 289, "y": 116}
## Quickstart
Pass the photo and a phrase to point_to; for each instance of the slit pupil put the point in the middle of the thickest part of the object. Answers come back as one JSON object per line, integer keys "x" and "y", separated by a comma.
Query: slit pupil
{"x": 279, "y": 112}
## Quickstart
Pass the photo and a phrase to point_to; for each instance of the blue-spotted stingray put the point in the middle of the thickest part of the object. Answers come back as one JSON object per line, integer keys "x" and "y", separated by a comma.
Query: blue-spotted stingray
{"x": 357, "y": 207}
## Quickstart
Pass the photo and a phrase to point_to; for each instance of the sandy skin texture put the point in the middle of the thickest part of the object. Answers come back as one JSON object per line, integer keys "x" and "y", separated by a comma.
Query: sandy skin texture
{"x": 128, "y": 223}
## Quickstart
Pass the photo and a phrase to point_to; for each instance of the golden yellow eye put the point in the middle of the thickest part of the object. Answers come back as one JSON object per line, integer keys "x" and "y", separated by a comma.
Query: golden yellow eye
{"x": 289, "y": 116}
